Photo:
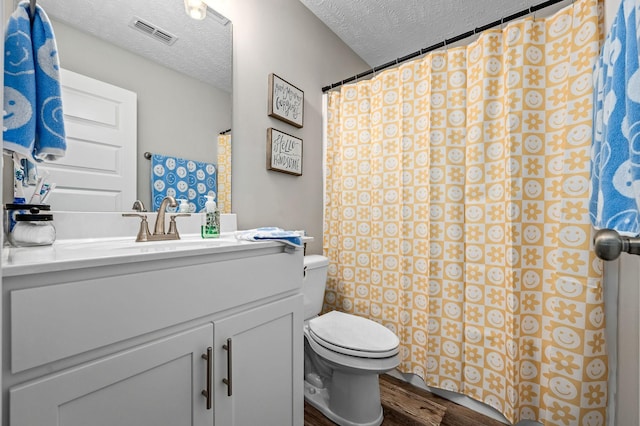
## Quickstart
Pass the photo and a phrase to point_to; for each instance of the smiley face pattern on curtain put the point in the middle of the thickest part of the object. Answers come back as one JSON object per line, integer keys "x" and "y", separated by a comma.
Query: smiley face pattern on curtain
{"x": 457, "y": 216}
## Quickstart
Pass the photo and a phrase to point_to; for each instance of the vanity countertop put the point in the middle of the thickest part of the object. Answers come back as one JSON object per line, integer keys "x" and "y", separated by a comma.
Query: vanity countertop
{"x": 69, "y": 254}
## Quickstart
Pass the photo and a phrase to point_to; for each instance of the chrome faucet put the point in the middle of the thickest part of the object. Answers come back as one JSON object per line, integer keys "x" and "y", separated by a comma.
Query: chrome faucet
{"x": 158, "y": 231}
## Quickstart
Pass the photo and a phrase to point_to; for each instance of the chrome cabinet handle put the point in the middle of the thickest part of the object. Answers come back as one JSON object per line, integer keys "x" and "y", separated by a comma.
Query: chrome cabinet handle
{"x": 207, "y": 392}
{"x": 227, "y": 381}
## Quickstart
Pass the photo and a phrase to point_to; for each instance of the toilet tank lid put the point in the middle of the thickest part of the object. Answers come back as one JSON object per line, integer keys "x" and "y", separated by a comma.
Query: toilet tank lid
{"x": 313, "y": 261}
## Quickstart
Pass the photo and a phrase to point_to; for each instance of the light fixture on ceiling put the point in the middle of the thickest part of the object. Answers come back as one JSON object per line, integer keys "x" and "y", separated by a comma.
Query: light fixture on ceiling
{"x": 197, "y": 9}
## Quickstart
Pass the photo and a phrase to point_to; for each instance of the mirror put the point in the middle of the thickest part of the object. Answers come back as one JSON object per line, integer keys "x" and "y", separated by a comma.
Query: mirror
{"x": 180, "y": 69}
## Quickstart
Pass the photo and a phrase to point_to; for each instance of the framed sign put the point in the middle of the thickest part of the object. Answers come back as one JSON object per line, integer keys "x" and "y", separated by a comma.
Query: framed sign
{"x": 286, "y": 101}
{"x": 284, "y": 152}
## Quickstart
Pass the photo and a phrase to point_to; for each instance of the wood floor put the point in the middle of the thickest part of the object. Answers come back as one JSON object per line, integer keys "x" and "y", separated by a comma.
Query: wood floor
{"x": 406, "y": 395}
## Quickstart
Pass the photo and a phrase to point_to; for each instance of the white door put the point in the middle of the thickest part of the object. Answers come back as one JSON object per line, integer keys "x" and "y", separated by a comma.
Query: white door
{"x": 98, "y": 172}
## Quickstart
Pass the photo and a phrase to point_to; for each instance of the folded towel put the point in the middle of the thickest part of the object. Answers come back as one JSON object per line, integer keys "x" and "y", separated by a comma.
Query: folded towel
{"x": 291, "y": 238}
{"x": 182, "y": 179}
{"x": 615, "y": 152}
{"x": 33, "y": 118}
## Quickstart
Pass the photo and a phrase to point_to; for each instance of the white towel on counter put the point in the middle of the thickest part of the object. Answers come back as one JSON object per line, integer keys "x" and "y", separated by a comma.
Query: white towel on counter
{"x": 292, "y": 238}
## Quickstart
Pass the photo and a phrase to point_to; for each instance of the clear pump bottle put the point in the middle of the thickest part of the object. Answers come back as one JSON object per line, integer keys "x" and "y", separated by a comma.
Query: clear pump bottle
{"x": 184, "y": 206}
{"x": 211, "y": 220}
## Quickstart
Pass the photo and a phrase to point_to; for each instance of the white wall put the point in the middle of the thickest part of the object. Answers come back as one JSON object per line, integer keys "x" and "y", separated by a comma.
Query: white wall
{"x": 626, "y": 368}
{"x": 281, "y": 37}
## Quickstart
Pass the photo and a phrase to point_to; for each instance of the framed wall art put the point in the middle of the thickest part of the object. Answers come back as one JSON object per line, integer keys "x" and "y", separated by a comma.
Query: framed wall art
{"x": 286, "y": 101}
{"x": 284, "y": 152}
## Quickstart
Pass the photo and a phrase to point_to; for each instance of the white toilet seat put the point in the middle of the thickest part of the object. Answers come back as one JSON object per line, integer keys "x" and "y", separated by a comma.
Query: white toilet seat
{"x": 351, "y": 352}
{"x": 353, "y": 336}
{"x": 342, "y": 361}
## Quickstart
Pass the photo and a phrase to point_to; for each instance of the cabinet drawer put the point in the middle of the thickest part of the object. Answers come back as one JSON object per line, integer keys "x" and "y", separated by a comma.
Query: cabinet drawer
{"x": 57, "y": 321}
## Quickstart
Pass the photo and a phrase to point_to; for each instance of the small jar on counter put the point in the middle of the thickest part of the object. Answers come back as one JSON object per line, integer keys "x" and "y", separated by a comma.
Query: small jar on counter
{"x": 34, "y": 229}
{"x": 14, "y": 209}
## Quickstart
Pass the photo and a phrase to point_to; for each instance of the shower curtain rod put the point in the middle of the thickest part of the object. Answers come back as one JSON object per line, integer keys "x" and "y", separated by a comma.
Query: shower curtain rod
{"x": 444, "y": 43}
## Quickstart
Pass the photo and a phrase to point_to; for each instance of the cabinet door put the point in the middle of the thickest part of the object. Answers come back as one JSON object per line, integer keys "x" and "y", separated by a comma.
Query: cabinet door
{"x": 156, "y": 384}
{"x": 259, "y": 366}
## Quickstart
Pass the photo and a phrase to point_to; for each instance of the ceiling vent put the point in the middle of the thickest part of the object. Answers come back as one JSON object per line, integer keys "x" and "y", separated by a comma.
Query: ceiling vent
{"x": 153, "y": 31}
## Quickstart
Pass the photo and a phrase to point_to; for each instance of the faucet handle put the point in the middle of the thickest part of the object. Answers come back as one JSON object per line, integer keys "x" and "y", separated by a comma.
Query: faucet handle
{"x": 138, "y": 206}
{"x": 143, "y": 231}
{"x": 173, "y": 228}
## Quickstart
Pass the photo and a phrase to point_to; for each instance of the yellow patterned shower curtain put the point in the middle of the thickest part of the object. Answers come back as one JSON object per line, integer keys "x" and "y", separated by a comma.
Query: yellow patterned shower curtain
{"x": 224, "y": 173}
{"x": 456, "y": 214}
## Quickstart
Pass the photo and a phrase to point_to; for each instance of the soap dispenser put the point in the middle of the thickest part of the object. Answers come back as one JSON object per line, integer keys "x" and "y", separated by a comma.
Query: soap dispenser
{"x": 184, "y": 206}
{"x": 211, "y": 219}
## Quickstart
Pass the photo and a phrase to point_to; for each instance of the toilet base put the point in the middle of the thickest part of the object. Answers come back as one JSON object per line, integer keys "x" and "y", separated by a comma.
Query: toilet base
{"x": 366, "y": 402}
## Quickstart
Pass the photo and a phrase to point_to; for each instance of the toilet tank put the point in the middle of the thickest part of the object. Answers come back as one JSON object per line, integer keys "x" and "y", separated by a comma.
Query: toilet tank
{"x": 315, "y": 280}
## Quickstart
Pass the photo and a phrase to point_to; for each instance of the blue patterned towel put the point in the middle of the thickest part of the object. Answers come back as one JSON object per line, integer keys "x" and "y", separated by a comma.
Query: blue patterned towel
{"x": 615, "y": 152}
{"x": 19, "y": 85}
{"x": 182, "y": 179}
{"x": 271, "y": 234}
{"x": 33, "y": 119}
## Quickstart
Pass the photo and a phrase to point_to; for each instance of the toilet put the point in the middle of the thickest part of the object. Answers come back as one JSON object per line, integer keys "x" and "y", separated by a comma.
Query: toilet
{"x": 343, "y": 356}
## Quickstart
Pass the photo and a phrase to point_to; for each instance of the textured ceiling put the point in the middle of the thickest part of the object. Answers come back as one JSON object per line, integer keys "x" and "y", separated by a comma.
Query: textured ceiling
{"x": 202, "y": 49}
{"x": 380, "y": 31}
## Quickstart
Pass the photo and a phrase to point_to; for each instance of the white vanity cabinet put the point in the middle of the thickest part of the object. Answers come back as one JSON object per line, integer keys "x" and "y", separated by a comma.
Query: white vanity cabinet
{"x": 137, "y": 342}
